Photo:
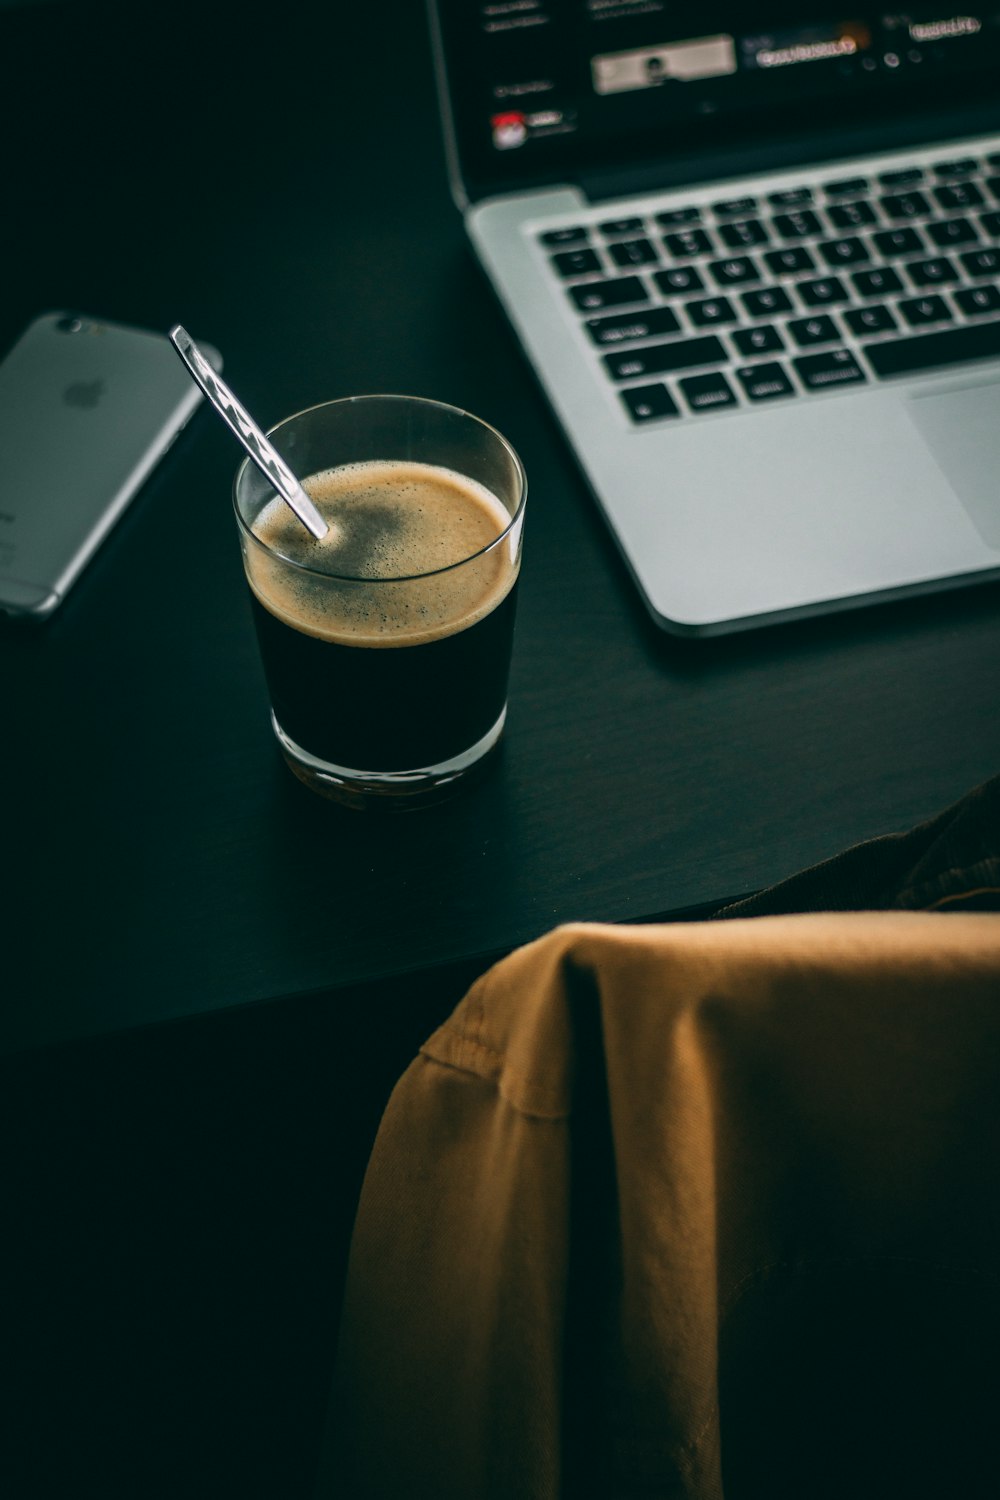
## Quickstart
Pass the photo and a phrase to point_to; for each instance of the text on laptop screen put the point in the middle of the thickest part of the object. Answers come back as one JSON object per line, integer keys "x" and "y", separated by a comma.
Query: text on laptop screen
{"x": 540, "y": 84}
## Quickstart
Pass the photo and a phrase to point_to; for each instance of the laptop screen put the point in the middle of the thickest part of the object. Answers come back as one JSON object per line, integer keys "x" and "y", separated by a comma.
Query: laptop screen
{"x": 543, "y": 87}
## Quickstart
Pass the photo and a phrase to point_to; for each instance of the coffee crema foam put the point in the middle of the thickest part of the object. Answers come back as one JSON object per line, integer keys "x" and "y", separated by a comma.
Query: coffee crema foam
{"x": 389, "y": 520}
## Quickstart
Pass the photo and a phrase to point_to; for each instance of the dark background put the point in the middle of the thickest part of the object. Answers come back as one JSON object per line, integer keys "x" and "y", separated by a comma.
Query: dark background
{"x": 211, "y": 978}
{"x": 176, "y": 1201}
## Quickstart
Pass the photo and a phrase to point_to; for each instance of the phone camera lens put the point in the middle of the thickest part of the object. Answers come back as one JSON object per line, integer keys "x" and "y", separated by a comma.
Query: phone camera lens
{"x": 69, "y": 325}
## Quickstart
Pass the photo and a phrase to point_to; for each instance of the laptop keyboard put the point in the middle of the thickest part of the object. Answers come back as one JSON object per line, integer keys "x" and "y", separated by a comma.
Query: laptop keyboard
{"x": 757, "y": 299}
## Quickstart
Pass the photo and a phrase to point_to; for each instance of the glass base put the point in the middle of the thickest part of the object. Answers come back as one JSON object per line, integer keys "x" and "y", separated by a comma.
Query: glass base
{"x": 389, "y": 789}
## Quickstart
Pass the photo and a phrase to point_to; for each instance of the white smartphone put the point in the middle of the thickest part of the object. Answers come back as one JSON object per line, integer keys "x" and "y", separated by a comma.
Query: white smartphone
{"x": 87, "y": 407}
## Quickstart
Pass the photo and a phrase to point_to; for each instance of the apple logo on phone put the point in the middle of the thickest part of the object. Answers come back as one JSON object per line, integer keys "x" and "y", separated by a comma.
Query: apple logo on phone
{"x": 84, "y": 393}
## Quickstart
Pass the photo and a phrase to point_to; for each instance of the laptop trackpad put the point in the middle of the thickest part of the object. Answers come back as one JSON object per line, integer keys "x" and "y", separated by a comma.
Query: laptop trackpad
{"x": 962, "y": 430}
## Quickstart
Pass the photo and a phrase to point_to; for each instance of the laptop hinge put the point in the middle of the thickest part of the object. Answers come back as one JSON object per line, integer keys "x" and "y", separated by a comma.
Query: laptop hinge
{"x": 600, "y": 183}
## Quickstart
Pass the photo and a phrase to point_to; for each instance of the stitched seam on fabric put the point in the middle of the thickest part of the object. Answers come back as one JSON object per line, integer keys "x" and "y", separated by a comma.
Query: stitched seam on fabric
{"x": 978, "y": 890}
{"x": 479, "y": 1020}
{"x": 494, "y": 1077}
{"x": 468, "y": 1043}
{"x": 977, "y": 869}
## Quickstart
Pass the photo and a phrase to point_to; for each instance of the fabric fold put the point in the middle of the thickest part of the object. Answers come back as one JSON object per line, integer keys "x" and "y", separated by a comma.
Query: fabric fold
{"x": 625, "y": 1184}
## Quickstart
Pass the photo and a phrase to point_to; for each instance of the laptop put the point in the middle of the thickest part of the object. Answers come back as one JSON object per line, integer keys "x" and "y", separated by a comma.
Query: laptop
{"x": 753, "y": 256}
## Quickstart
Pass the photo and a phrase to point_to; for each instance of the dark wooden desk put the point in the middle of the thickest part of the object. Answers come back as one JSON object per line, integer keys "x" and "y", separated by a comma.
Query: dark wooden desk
{"x": 311, "y": 236}
{"x": 160, "y": 864}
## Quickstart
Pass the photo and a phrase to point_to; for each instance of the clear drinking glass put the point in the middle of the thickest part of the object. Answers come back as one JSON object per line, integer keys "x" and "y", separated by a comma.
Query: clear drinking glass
{"x": 386, "y": 646}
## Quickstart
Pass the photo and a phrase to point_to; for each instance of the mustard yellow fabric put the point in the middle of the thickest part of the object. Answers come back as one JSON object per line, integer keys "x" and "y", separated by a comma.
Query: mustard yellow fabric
{"x": 638, "y": 1172}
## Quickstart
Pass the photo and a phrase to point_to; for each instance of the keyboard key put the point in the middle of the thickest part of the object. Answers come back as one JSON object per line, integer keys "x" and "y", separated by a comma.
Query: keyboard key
{"x": 962, "y": 168}
{"x": 902, "y": 177}
{"x": 660, "y": 359}
{"x": 764, "y": 382}
{"x": 807, "y": 331}
{"x": 877, "y": 319}
{"x": 647, "y": 403}
{"x": 959, "y": 195}
{"x": 952, "y": 232}
{"x": 990, "y": 224}
{"x": 614, "y": 227}
{"x": 744, "y": 234}
{"x": 976, "y": 300}
{"x": 993, "y": 183}
{"x": 735, "y": 208}
{"x": 935, "y": 351}
{"x": 931, "y": 272}
{"x": 847, "y": 187}
{"x": 846, "y": 252}
{"x": 707, "y": 392}
{"x": 981, "y": 262}
{"x": 678, "y": 279}
{"x": 766, "y": 302}
{"x": 712, "y": 310}
{"x": 906, "y": 205}
{"x": 646, "y": 324}
{"x": 575, "y": 262}
{"x": 850, "y": 215}
{"x": 740, "y": 269}
{"x": 797, "y": 225}
{"x": 633, "y": 253}
{"x": 920, "y": 310}
{"x": 877, "y": 283}
{"x": 671, "y": 216}
{"x": 569, "y": 235}
{"x": 823, "y": 291}
{"x": 790, "y": 197}
{"x": 592, "y": 296}
{"x": 687, "y": 242}
{"x": 899, "y": 242}
{"x": 764, "y": 339}
{"x": 787, "y": 262}
{"x": 836, "y": 367}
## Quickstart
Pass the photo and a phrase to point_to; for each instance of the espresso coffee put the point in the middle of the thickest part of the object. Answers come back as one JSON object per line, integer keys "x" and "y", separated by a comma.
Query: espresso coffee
{"x": 386, "y": 645}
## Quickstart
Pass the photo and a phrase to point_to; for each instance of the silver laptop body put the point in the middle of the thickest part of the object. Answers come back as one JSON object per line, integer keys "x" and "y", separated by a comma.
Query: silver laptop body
{"x": 753, "y": 466}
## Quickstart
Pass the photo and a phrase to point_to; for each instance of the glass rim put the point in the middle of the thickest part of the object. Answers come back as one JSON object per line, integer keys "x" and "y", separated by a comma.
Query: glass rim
{"x": 442, "y": 406}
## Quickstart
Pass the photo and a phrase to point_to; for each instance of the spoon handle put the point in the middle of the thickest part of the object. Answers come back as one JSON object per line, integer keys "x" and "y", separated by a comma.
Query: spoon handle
{"x": 238, "y": 420}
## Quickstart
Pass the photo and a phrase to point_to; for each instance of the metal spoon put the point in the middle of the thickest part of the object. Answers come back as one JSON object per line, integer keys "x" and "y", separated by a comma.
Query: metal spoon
{"x": 268, "y": 460}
